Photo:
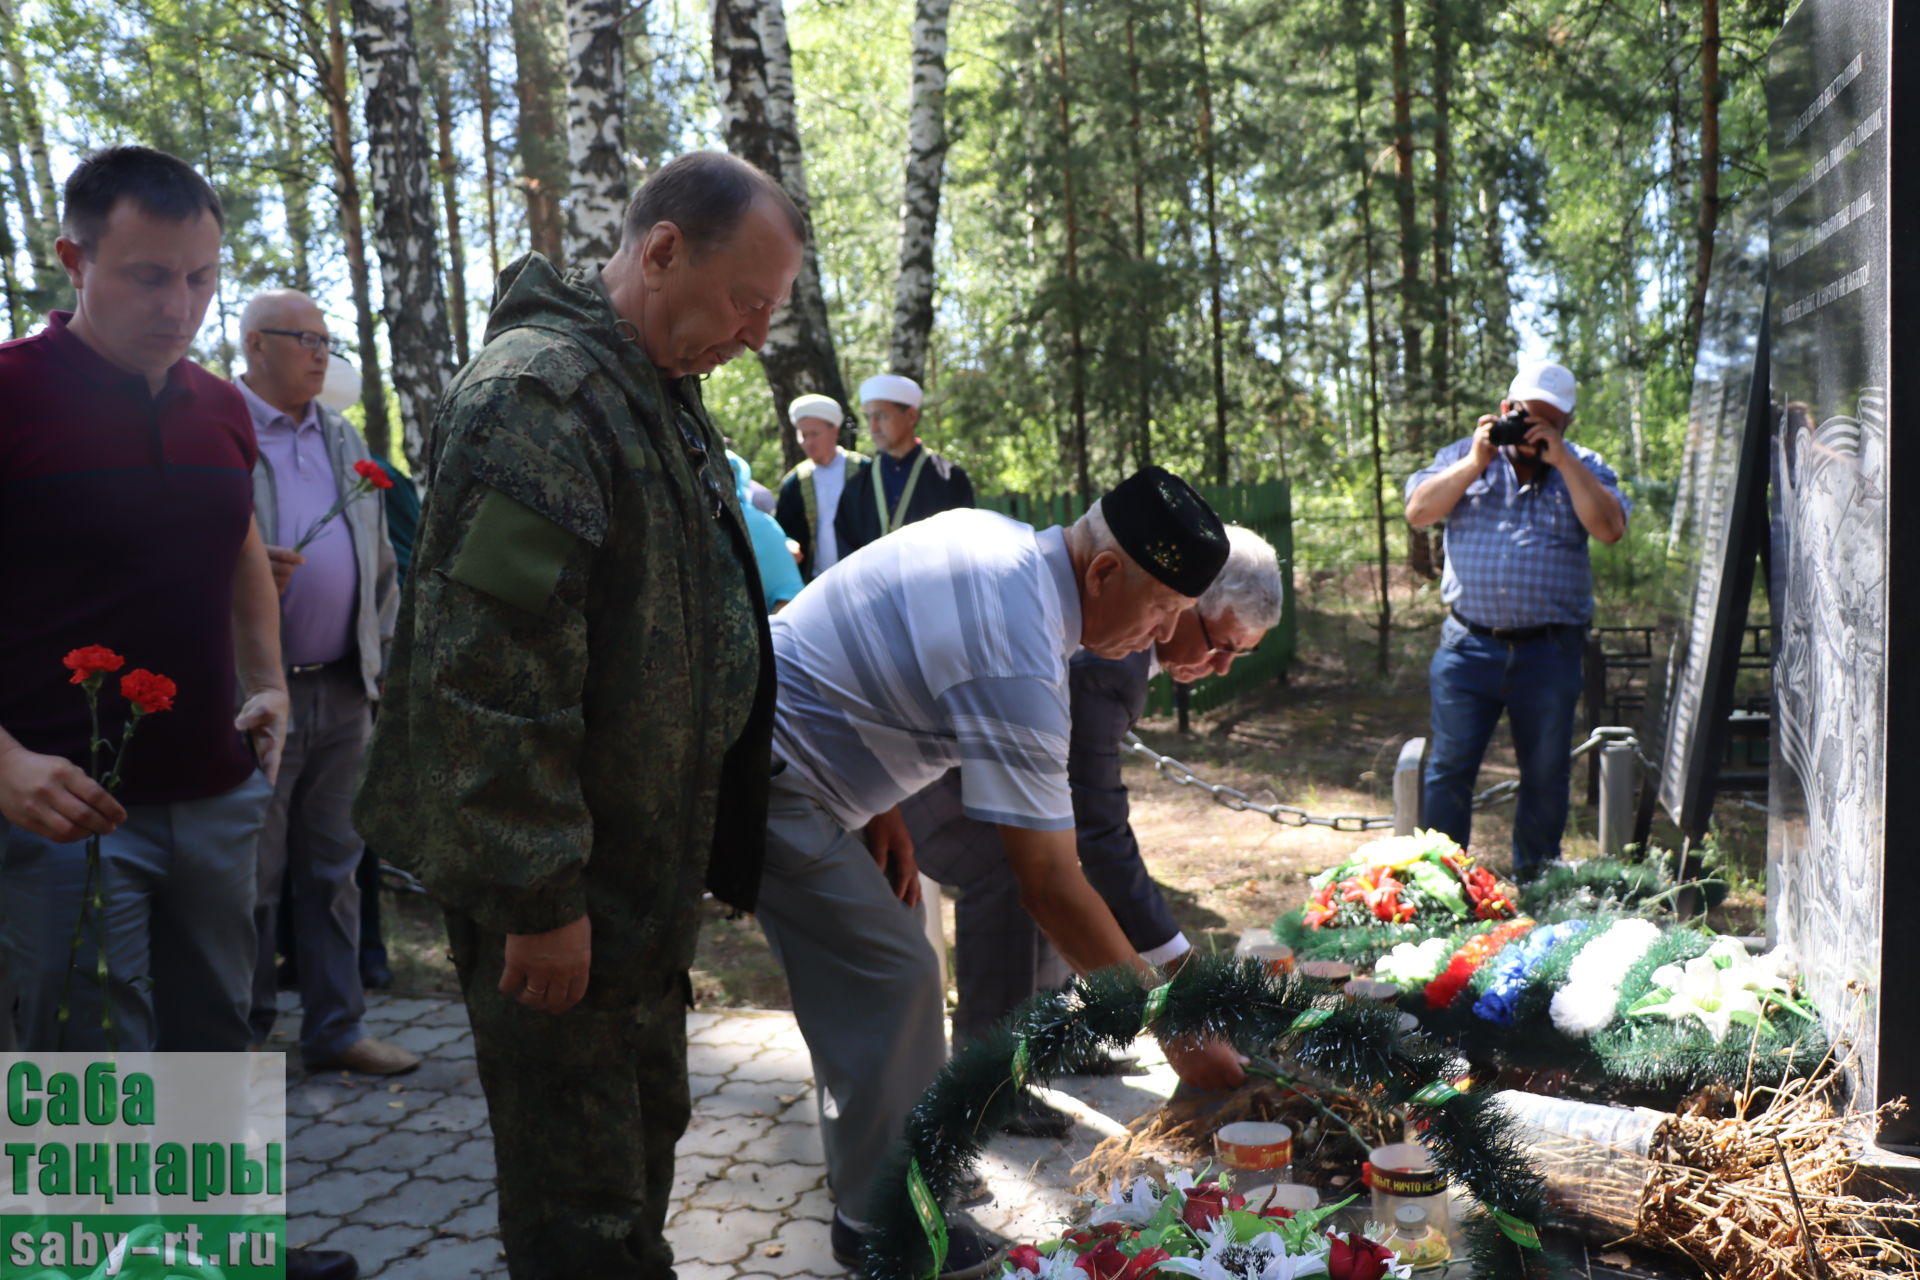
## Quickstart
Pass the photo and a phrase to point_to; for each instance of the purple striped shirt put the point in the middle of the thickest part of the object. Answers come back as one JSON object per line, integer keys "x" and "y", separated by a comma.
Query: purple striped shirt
{"x": 316, "y": 613}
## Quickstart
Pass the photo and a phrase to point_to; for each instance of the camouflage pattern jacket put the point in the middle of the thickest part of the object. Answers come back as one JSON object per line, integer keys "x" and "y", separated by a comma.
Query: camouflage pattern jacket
{"x": 579, "y": 705}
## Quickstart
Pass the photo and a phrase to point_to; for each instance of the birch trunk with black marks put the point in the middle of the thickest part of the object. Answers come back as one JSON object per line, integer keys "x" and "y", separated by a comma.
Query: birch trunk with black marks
{"x": 1709, "y": 168}
{"x": 331, "y": 67}
{"x": 753, "y": 68}
{"x": 596, "y": 128}
{"x": 1076, "y": 345}
{"x": 42, "y": 223}
{"x": 415, "y": 306}
{"x": 1217, "y": 443}
{"x": 920, "y": 208}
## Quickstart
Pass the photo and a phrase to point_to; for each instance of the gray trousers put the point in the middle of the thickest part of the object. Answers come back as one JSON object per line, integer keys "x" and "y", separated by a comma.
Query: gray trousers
{"x": 178, "y": 882}
{"x": 308, "y": 846}
{"x": 865, "y": 986}
{"x": 1000, "y": 956}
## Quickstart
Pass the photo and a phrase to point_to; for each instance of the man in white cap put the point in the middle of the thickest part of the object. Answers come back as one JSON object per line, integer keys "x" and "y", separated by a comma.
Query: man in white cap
{"x": 905, "y": 481}
{"x": 1520, "y": 503}
{"x": 810, "y": 493}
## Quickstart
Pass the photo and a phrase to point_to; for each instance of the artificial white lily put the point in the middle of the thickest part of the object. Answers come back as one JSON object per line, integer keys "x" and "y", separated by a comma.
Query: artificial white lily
{"x": 1134, "y": 1206}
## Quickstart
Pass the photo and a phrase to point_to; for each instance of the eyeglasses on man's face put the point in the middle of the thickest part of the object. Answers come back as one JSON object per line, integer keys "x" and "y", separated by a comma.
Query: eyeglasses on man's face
{"x": 309, "y": 340}
{"x": 1213, "y": 648}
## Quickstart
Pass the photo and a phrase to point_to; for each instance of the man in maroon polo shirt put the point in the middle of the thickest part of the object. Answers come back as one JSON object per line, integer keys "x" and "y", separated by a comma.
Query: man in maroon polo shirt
{"x": 126, "y": 519}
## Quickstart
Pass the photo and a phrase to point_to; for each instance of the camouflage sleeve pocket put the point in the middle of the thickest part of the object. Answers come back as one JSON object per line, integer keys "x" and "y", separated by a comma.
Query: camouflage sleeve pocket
{"x": 512, "y": 553}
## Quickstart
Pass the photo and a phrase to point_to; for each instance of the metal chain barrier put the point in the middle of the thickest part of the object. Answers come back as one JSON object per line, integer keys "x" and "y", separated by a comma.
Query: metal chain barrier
{"x": 1291, "y": 816}
{"x": 1240, "y": 802}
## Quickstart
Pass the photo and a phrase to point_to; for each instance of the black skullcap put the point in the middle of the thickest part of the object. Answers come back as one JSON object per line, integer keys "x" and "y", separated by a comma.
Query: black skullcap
{"x": 1167, "y": 528}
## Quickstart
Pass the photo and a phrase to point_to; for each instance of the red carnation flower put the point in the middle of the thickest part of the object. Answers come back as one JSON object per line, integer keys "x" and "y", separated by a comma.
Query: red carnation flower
{"x": 147, "y": 691}
{"x": 1203, "y": 1207}
{"x": 1108, "y": 1261}
{"x": 94, "y": 660}
{"x": 1358, "y": 1258}
{"x": 370, "y": 471}
{"x": 1024, "y": 1257}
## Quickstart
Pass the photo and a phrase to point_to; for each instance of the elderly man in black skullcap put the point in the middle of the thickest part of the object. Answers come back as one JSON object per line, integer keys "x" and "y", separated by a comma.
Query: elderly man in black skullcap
{"x": 943, "y": 646}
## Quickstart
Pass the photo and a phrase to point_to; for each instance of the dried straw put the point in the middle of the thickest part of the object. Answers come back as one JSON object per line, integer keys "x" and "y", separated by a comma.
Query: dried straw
{"x": 1180, "y": 1134}
{"x": 1761, "y": 1195}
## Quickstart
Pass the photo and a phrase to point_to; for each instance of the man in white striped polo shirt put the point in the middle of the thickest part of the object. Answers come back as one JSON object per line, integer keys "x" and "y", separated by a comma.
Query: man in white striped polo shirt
{"x": 945, "y": 645}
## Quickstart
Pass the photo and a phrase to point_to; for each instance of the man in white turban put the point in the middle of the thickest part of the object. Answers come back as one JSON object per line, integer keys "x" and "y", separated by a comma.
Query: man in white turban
{"x": 905, "y": 481}
{"x": 810, "y": 493}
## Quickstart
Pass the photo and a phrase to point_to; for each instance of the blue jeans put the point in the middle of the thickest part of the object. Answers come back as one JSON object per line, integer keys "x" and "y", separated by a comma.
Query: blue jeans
{"x": 179, "y": 890}
{"x": 1538, "y": 683}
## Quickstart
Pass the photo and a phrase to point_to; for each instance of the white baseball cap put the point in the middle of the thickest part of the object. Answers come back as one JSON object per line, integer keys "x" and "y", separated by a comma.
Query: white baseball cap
{"x": 1543, "y": 380}
{"x": 825, "y": 408}
{"x": 891, "y": 386}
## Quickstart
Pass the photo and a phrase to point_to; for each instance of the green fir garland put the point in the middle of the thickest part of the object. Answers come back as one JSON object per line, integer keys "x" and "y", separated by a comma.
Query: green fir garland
{"x": 1357, "y": 1045}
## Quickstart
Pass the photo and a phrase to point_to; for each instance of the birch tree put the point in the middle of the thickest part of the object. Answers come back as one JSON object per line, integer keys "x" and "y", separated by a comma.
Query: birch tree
{"x": 403, "y": 227}
{"x": 596, "y": 133}
{"x": 330, "y": 65}
{"x": 920, "y": 208}
{"x": 753, "y": 68}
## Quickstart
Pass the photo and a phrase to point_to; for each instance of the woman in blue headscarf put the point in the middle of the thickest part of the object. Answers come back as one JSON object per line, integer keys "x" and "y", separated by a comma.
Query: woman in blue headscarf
{"x": 779, "y": 572}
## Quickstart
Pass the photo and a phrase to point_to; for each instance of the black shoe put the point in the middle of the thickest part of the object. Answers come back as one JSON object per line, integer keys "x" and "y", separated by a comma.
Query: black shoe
{"x": 375, "y": 975}
{"x": 321, "y": 1264}
{"x": 971, "y": 1252}
{"x": 1033, "y": 1118}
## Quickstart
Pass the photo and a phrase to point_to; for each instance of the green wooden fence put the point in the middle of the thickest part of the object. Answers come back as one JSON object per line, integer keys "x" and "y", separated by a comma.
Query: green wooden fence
{"x": 1267, "y": 509}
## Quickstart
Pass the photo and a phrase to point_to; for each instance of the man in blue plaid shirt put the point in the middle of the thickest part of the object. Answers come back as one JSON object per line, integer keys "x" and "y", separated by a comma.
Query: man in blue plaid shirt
{"x": 1520, "y": 591}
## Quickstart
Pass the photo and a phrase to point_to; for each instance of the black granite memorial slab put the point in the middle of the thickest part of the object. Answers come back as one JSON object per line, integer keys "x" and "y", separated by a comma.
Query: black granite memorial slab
{"x": 1843, "y": 866}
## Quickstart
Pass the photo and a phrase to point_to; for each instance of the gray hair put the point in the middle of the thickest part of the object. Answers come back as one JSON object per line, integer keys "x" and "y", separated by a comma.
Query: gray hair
{"x": 1249, "y": 582}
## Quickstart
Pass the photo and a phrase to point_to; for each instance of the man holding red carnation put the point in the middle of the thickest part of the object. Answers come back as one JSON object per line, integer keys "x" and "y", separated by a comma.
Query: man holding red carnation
{"x": 124, "y": 494}
{"x": 339, "y": 596}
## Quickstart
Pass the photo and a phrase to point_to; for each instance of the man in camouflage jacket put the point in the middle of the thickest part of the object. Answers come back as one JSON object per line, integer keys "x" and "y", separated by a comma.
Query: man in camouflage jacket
{"x": 574, "y": 739}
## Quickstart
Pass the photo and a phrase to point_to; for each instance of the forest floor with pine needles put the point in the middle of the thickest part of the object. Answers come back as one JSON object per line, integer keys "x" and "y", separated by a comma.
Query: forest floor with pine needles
{"x": 1324, "y": 741}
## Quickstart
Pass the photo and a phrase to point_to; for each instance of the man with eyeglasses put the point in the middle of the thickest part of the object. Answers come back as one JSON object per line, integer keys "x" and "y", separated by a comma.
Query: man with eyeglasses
{"x": 338, "y": 600}
{"x": 1001, "y": 956}
{"x": 574, "y": 739}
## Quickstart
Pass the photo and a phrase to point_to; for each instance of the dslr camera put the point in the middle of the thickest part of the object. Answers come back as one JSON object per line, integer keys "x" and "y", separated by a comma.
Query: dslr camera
{"x": 1512, "y": 427}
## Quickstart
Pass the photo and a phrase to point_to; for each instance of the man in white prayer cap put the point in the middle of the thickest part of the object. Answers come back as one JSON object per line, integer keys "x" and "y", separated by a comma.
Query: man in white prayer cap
{"x": 905, "y": 481}
{"x": 810, "y": 493}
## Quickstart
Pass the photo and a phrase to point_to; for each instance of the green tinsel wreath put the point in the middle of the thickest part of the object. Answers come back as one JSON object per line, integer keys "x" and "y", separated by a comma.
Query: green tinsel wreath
{"x": 1472, "y": 1140}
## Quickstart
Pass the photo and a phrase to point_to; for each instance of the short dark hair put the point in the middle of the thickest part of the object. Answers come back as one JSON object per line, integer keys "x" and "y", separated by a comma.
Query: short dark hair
{"x": 706, "y": 194}
{"x": 162, "y": 186}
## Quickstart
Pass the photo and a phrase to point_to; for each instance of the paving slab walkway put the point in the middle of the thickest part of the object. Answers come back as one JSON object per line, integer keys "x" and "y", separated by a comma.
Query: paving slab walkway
{"x": 399, "y": 1172}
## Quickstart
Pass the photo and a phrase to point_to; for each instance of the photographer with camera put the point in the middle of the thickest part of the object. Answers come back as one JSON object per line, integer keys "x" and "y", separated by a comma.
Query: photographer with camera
{"x": 1520, "y": 503}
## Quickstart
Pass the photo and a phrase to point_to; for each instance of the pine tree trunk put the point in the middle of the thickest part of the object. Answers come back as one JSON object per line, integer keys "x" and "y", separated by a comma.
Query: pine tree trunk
{"x": 1218, "y": 444}
{"x": 1384, "y": 626}
{"x": 542, "y": 146}
{"x": 293, "y": 189}
{"x": 332, "y": 71}
{"x": 753, "y": 65}
{"x": 1076, "y": 347}
{"x": 920, "y": 207}
{"x": 447, "y": 168}
{"x": 1440, "y": 382}
{"x": 1709, "y": 167}
{"x": 596, "y": 128}
{"x": 483, "y": 40}
{"x": 1143, "y": 356}
{"x": 1493, "y": 233}
{"x": 43, "y": 212}
{"x": 1411, "y": 301}
{"x": 415, "y": 306}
